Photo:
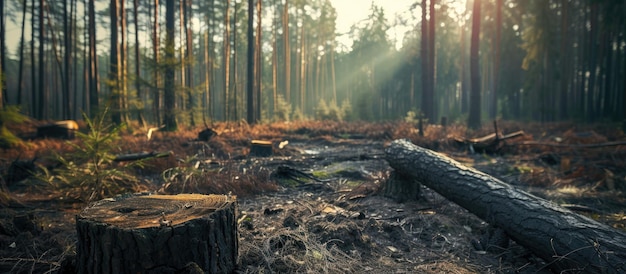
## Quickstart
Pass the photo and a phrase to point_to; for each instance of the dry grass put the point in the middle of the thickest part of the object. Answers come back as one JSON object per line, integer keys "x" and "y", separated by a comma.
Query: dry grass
{"x": 293, "y": 251}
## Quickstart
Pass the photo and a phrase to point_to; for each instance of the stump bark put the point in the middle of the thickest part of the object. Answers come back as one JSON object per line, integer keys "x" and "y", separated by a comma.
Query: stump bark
{"x": 564, "y": 239}
{"x": 141, "y": 233}
{"x": 261, "y": 148}
{"x": 61, "y": 129}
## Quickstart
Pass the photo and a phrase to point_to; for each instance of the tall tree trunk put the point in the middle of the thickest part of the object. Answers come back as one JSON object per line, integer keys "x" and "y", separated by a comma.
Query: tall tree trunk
{"x": 274, "y": 59}
{"x": 475, "y": 109}
{"x": 157, "y": 59}
{"x": 93, "y": 62}
{"x": 139, "y": 98}
{"x": 209, "y": 66}
{"x": 227, "y": 60}
{"x": 250, "y": 66}
{"x": 303, "y": 70}
{"x": 426, "y": 102}
{"x": 287, "y": 52}
{"x": 258, "y": 64}
{"x": 123, "y": 63}
{"x": 188, "y": 55}
{"x": 493, "y": 110}
{"x": 34, "y": 86}
{"x": 591, "y": 63}
{"x": 73, "y": 31}
{"x": 624, "y": 72}
{"x": 169, "y": 94}
{"x": 114, "y": 60}
{"x": 332, "y": 69}
{"x": 464, "y": 89}
{"x": 182, "y": 55}
{"x": 41, "y": 92}
{"x": 67, "y": 57}
{"x": 564, "y": 57}
{"x": 432, "y": 64}
{"x": 3, "y": 84}
{"x": 235, "y": 63}
{"x": 20, "y": 76}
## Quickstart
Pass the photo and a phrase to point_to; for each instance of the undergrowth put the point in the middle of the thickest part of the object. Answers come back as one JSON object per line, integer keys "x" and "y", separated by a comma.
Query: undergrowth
{"x": 89, "y": 172}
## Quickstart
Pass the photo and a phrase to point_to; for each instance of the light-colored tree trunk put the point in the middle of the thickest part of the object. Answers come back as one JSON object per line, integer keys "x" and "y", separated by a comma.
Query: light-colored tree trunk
{"x": 431, "y": 112}
{"x": 226, "y": 61}
{"x": 287, "y": 52}
{"x": 250, "y": 67}
{"x": 274, "y": 59}
{"x": 188, "y": 56}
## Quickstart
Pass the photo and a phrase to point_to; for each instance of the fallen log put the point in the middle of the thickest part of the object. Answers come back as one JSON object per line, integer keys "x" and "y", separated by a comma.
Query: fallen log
{"x": 141, "y": 233}
{"x": 565, "y": 240}
{"x": 141, "y": 156}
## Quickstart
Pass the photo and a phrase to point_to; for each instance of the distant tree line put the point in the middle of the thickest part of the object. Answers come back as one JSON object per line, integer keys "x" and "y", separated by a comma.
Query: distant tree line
{"x": 192, "y": 62}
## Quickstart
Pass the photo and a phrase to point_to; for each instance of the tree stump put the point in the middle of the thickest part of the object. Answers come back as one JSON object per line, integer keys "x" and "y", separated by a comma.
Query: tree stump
{"x": 401, "y": 188}
{"x": 142, "y": 233}
{"x": 60, "y": 129}
{"x": 567, "y": 241}
{"x": 261, "y": 148}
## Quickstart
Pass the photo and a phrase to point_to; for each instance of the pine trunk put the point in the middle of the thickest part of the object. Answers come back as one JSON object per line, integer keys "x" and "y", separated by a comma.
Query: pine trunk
{"x": 474, "y": 107}
{"x": 565, "y": 240}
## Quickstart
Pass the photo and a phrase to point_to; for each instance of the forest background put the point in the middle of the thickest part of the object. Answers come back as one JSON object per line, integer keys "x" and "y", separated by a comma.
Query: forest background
{"x": 170, "y": 62}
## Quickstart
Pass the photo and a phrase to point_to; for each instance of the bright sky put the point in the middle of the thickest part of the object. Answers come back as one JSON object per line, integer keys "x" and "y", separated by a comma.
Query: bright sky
{"x": 350, "y": 12}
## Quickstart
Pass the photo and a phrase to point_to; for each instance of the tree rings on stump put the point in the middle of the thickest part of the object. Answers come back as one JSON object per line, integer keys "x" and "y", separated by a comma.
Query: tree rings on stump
{"x": 142, "y": 233}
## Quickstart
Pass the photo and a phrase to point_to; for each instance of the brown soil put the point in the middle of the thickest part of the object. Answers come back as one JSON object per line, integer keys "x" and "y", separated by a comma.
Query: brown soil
{"x": 331, "y": 219}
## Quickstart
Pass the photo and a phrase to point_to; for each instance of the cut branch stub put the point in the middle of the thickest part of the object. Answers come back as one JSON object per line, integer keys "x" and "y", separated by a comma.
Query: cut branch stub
{"x": 141, "y": 233}
{"x": 564, "y": 239}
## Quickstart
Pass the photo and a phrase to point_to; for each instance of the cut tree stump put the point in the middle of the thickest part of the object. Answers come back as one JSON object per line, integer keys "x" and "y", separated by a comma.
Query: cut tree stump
{"x": 261, "y": 148}
{"x": 61, "y": 129}
{"x": 142, "y": 233}
{"x": 567, "y": 241}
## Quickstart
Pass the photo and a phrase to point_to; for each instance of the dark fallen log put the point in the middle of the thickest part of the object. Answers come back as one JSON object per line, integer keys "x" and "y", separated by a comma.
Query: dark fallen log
{"x": 597, "y": 145}
{"x": 565, "y": 240}
{"x": 140, "y": 233}
{"x": 141, "y": 155}
{"x": 490, "y": 143}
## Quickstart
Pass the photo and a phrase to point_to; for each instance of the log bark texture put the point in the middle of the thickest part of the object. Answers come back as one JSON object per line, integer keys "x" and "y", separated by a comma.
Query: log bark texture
{"x": 141, "y": 233}
{"x": 565, "y": 240}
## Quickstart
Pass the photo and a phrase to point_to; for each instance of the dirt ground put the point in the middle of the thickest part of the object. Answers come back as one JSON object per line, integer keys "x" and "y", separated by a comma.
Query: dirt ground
{"x": 315, "y": 206}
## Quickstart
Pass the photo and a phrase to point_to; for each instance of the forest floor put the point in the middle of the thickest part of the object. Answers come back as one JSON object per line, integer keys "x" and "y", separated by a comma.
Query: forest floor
{"x": 315, "y": 205}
